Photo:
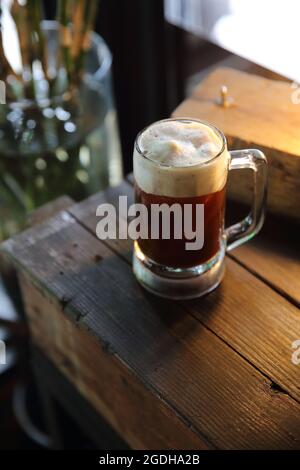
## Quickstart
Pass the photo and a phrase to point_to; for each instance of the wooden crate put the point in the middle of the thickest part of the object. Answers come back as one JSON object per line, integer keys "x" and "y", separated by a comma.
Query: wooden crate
{"x": 262, "y": 116}
{"x": 212, "y": 373}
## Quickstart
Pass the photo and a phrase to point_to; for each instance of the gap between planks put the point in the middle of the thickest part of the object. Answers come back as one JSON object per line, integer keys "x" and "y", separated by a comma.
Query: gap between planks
{"x": 273, "y": 382}
{"x": 217, "y": 340}
{"x": 241, "y": 254}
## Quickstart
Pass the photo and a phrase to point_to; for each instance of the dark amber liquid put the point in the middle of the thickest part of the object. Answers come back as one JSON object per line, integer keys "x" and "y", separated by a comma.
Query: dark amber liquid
{"x": 173, "y": 252}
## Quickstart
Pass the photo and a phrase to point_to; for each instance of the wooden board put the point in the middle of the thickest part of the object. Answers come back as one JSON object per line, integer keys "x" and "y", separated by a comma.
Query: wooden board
{"x": 108, "y": 384}
{"x": 210, "y": 373}
{"x": 262, "y": 116}
{"x": 273, "y": 255}
{"x": 85, "y": 213}
{"x": 48, "y": 210}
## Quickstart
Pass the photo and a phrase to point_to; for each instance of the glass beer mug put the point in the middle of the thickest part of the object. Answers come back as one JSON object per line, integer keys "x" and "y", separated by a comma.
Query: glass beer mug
{"x": 180, "y": 170}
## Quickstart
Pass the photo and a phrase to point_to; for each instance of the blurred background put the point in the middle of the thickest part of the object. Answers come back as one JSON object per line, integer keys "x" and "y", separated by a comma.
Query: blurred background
{"x": 75, "y": 101}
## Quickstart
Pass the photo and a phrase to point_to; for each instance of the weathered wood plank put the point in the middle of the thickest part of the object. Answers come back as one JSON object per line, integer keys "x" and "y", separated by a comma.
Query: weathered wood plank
{"x": 259, "y": 324}
{"x": 55, "y": 264}
{"x": 273, "y": 255}
{"x": 181, "y": 360}
{"x": 184, "y": 363}
{"x": 144, "y": 420}
{"x": 85, "y": 213}
{"x": 269, "y": 324}
{"x": 49, "y": 210}
{"x": 57, "y": 388}
{"x": 87, "y": 208}
{"x": 262, "y": 116}
{"x": 262, "y": 111}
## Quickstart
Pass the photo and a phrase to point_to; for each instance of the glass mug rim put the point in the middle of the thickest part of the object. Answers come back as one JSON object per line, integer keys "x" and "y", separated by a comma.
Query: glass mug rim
{"x": 181, "y": 119}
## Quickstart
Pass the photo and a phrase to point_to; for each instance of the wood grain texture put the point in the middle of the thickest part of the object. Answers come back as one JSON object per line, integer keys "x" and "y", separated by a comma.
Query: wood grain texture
{"x": 274, "y": 255}
{"x": 201, "y": 358}
{"x": 49, "y": 210}
{"x": 262, "y": 116}
{"x": 142, "y": 419}
{"x": 262, "y": 112}
{"x": 221, "y": 396}
{"x": 207, "y": 381}
{"x": 262, "y": 309}
{"x": 258, "y": 325}
{"x": 55, "y": 265}
{"x": 269, "y": 323}
{"x": 85, "y": 213}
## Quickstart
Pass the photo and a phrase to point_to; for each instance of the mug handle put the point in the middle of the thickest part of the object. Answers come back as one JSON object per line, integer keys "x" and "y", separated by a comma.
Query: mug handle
{"x": 243, "y": 231}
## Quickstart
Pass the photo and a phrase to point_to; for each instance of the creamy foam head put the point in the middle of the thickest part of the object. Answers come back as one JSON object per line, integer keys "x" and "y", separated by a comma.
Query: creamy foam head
{"x": 179, "y": 159}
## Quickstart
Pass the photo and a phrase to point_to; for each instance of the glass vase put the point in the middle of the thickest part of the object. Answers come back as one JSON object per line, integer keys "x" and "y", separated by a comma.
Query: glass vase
{"x": 67, "y": 144}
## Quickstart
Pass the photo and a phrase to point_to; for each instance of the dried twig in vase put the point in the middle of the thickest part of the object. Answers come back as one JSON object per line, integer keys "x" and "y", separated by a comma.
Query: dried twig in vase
{"x": 83, "y": 20}
{"x": 65, "y": 36}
